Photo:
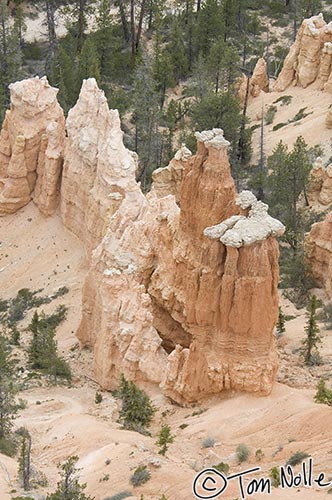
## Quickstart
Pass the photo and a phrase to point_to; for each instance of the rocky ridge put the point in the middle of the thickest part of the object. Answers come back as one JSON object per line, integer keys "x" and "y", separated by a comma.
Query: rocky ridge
{"x": 310, "y": 57}
{"x": 165, "y": 300}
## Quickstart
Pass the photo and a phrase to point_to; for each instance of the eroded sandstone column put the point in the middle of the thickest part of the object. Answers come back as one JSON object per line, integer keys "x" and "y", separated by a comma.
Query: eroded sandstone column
{"x": 31, "y": 147}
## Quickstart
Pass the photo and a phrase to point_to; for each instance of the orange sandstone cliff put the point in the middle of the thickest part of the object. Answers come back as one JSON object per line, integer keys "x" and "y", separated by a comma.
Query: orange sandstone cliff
{"x": 31, "y": 147}
{"x": 182, "y": 286}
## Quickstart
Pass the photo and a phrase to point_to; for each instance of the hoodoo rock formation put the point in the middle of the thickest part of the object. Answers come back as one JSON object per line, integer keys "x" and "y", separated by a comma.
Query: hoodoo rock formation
{"x": 310, "y": 57}
{"x": 95, "y": 173}
{"x": 166, "y": 303}
{"x": 258, "y": 82}
{"x": 182, "y": 286}
{"x": 31, "y": 147}
{"x": 319, "y": 253}
{"x": 320, "y": 185}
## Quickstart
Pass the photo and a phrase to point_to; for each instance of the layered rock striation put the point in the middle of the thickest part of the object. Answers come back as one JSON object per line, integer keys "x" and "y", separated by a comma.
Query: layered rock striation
{"x": 258, "y": 82}
{"x": 31, "y": 147}
{"x": 310, "y": 57}
{"x": 320, "y": 186}
{"x": 98, "y": 170}
{"x": 319, "y": 253}
{"x": 182, "y": 285}
{"x": 165, "y": 302}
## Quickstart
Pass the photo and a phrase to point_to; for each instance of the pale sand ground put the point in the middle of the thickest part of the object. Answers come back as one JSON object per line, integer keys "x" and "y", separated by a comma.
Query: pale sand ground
{"x": 312, "y": 128}
{"x": 68, "y": 422}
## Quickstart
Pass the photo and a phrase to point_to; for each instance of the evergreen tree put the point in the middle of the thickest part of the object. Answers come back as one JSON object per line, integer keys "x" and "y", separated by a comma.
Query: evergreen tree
{"x": 103, "y": 36}
{"x": 165, "y": 438}
{"x": 24, "y": 467}
{"x": 280, "y": 328}
{"x": 223, "y": 65}
{"x": 137, "y": 410}
{"x": 312, "y": 331}
{"x": 323, "y": 394}
{"x": 69, "y": 487}
{"x": 177, "y": 51}
{"x": 146, "y": 120}
{"x": 8, "y": 406}
{"x": 89, "y": 66}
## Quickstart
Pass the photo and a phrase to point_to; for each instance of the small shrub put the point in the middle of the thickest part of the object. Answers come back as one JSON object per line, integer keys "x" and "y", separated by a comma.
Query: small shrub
{"x": 120, "y": 496}
{"x": 98, "y": 398}
{"x": 270, "y": 114}
{"x": 105, "y": 477}
{"x": 140, "y": 476}
{"x": 284, "y": 100}
{"x": 62, "y": 291}
{"x": 242, "y": 453}
{"x": 198, "y": 412}
{"x": 208, "y": 442}
{"x": 183, "y": 426}
{"x": 274, "y": 475}
{"x": 222, "y": 467}
{"x": 137, "y": 409}
{"x": 278, "y": 126}
{"x": 165, "y": 438}
{"x": 259, "y": 455}
{"x": 300, "y": 115}
{"x": 297, "y": 458}
{"x": 323, "y": 394}
{"x": 8, "y": 446}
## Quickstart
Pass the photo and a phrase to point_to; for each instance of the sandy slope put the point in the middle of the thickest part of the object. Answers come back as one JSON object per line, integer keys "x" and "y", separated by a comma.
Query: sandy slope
{"x": 312, "y": 128}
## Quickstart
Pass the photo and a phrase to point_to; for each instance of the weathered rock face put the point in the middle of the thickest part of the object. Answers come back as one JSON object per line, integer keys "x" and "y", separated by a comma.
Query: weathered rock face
{"x": 310, "y": 57}
{"x": 319, "y": 253}
{"x": 31, "y": 147}
{"x": 258, "y": 82}
{"x": 320, "y": 185}
{"x": 97, "y": 166}
{"x": 167, "y": 302}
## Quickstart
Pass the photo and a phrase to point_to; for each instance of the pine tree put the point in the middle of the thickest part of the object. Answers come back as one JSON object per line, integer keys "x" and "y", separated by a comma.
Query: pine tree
{"x": 69, "y": 487}
{"x": 165, "y": 438}
{"x": 137, "y": 409}
{"x": 323, "y": 394}
{"x": 280, "y": 328}
{"x": 312, "y": 331}
{"x": 103, "y": 36}
{"x": 89, "y": 66}
{"x": 24, "y": 467}
{"x": 8, "y": 406}
{"x": 146, "y": 120}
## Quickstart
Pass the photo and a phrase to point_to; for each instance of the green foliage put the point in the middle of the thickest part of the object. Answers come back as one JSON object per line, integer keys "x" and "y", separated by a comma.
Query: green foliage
{"x": 284, "y": 100}
{"x": 120, "y": 496}
{"x": 69, "y": 488}
{"x": 312, "y": 330}
{"x": 297, "y": 458}
{"x": 274, "y": 475}
{"x": 280, "y": 327}
{"x": 289, "y": 172}
{"x": 141, "y": 476}
{"x": 98, "y": 398}
{"x": 43, "y": 347}
{"x": 270, "y": 114}
{"x": 24, "y": 461}
{"x": 165, "y": 438}
{"x": 279, "y": 126}
{"x": 89, "y": 65}
{"x": 259, "y": 455}
{"x": 208, "y": 442}
{"x": 8, "y": 405}
{"x": 323, "y": 394}
{"x": 137, "y": 410}
{"x": 242, "y": 453}
{"x": 222, "y": 467}
{"x": 183, "y": 426}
